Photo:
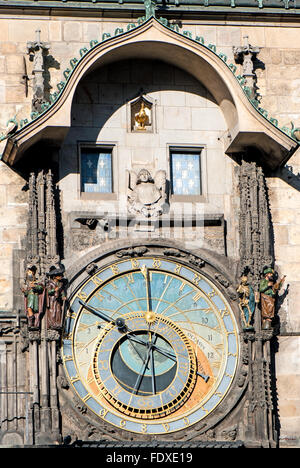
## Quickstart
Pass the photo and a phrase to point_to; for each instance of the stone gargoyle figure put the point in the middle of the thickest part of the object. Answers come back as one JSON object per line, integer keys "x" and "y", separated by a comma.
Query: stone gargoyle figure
{"x": 146, "y": 196}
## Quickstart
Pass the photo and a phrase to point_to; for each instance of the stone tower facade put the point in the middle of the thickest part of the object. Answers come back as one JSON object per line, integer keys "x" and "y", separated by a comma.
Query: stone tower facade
{"x": 156, "y": 136}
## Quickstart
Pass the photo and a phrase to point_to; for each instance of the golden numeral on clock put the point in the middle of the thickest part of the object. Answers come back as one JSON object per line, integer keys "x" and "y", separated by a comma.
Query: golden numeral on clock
{"x": 115, "y": 269}
{"x": 130, "y": 278}
{"x": 197, "y": 296}
{"x": 103, "y": 365}
{"x": 103, "y": 413}
{"x": 87, "y": 396}
{"x": 144, "y": 403}
{"x": 156, "y": 263}
{"x": 97, "y": 281}
{"x": 82, "y": 295}
{"x": 134, "y": 263}
{"x": 186, "y": 421}
{"x": 166, "y": 427}
{"x": 196, "y": 279}
{"x": 116, "y": 390}
{"x": 224, "y": 312}
{"x": 99, "y": 296}
{"x": 144, "y": 428}
{"x": 183, "y": 368}
{"x": 171, "y": 391}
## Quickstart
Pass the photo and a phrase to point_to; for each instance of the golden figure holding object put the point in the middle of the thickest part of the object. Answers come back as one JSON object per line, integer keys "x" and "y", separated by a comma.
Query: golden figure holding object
{"x": 141, "y": 117}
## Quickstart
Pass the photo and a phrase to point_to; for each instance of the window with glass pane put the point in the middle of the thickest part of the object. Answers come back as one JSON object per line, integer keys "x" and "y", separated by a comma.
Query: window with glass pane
{"x": 96, "y": 171}
{"x": 185, "y": 173}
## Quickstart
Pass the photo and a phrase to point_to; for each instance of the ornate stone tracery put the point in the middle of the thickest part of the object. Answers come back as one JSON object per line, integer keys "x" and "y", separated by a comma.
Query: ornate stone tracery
{"x": 255, "y": 253}
{"x": 35, "y": 340}
{"x": 255, "y": 226}
{"x": 42, "y": 248}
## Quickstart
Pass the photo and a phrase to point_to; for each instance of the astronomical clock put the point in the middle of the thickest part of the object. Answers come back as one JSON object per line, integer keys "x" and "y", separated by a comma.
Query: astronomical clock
{"x": 151, "y": 345}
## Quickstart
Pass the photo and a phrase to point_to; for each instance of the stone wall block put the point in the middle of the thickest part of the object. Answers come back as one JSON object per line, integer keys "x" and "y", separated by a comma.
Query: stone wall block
{"x": 9, "y": 177}
{"x": 294, "y": 235}
{"x": 289, "y": 37}
{"x": 208, "y": 32}
{"x": 91, "y": 30}
{"x": 15, "y": 64}
{"x": 276, "y": 56}
{"x": 15, "y": 94}
{"x": 23, "y": 30}
{"x": 8, "y": 48}
{"x": 278, "y": 87}
{"x": 2, "y": 64}
{"x": 284, "y": 216}
{"x": 72, "y": 31}
{"x": 177, "y": 118}
{"x": 286, "y": 73}
{"x": 290, "y": 253}
{"x": 281, "y": 234}
{"x": 291, "y": 57}
{"x": 55, "y": 31}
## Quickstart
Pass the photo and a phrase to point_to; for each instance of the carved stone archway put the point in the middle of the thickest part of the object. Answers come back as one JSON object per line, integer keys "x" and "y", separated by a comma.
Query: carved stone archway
{"x": 247, "y": 126}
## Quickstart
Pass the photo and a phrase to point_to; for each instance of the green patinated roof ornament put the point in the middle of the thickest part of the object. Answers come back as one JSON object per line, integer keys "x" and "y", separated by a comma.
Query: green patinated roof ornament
{"x": 295, "y": 132}
{"x": 150, "y": 6}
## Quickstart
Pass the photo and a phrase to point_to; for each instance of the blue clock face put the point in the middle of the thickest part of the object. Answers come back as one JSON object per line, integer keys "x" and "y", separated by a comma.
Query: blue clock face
{"x": 150, "y": 345}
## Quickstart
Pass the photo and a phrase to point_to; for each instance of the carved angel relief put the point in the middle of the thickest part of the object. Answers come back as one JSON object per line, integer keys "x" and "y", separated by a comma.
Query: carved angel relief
{"x": 146, "y": 196}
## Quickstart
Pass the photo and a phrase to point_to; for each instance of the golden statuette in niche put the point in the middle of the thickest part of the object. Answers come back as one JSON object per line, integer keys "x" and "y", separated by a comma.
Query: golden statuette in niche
{"x": 141, "y": 118}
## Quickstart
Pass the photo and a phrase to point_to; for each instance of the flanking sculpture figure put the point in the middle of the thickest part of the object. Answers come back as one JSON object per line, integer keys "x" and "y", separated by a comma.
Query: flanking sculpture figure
{"x": 246, "y": 303}
{"x": 268, "y": 289}
{"x": 44, "y": 297}
{"x": 34, "y": 292}
{"x": 265, "y": 297}
{"x": 55, "y": 298}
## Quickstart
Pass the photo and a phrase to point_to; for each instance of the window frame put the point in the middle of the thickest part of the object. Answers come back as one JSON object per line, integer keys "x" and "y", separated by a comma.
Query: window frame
{"x": 189, "y": 148}
{"x": 105, "y": 146}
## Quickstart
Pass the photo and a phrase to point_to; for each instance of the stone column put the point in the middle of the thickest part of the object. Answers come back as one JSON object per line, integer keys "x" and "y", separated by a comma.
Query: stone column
{"x": 255, "y": 254}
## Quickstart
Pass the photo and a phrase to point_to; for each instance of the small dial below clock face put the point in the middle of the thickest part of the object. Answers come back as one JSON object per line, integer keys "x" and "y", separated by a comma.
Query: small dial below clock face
{"x": 150, "y": 345}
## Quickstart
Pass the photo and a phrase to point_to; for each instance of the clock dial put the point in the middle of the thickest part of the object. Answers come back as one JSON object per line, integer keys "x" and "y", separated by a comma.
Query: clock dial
{"x": 148, "y": 373}
{"x": 150, "y": 345}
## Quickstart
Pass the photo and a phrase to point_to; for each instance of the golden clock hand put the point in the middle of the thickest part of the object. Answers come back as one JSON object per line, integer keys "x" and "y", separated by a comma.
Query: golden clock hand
{"x": 150, "y": 316}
